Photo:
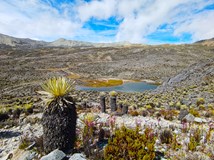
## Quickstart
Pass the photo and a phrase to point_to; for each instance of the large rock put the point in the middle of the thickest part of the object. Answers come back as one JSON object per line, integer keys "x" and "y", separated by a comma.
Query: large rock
{"x": 78, "y": 156}
{"x": 182, "y": 114}
{"x": 189, "y": 118}
{"x": 200, "y": 120}
{"x": 54, "y": 155}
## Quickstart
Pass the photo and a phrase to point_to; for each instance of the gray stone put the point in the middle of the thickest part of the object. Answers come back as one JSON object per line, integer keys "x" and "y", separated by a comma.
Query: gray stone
{"x": 78, "y": 156}
{"x": 27, "y": 156}
{"x": 54, "y": 155}
{"x": 200, "y": 120}
{"x": 189, "y": 118}
{"x": 182, "y": 114}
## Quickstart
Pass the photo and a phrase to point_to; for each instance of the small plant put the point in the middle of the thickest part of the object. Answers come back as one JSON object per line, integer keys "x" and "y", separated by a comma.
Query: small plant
{"x": 194, "y": 112}
{"x": 134, "y": 113}
{"x": 201, "y": 107}
{"x": 166, "y": 136}
{"x": 194, "y": 140}
{"x": 178, "y": 105}
{"x": 200, "y": 101}
{"x": 88, "y": 133}
{"x": 25, "y": 142}
{"x": 143, "y": 112}
{"x": 148, "y": 106}
{"x": 184, "y": 128}
{"x": 209, "y": 132}
{"x": 102, "y": 94}
{"x": 28, "y": 108}
{"x": 192, "y": 144}
{"x": 174, "y": 143}
{"x": 112, "y": 121}
{"x": 113, "y": 93}
{"x": 183, "y": 107}
{"x": 130, "y": 144}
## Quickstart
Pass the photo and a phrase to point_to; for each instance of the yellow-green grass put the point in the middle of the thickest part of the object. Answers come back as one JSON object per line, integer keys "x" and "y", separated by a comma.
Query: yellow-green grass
{"x": 103, "y": 83}
{"x": 73, "y": 76}
{"x": 6, "y": 108}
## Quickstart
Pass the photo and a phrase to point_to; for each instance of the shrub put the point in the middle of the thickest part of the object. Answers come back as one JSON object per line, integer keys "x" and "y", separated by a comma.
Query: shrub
{"x": 194, "y": 139}
{"x": 174, "y": 143}
{"x": 134, "y": 113}
{"x": 166, "y": 136}
{"x": 200, "y": 101}
{"x": 25, "y": 142}
{"x": 130, "y": 144}
{"x": 113, "y": 93}
{"x": 194, "y": 112}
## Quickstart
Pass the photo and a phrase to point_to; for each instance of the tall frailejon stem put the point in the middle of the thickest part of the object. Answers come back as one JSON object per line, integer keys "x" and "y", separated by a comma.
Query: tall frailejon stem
{"x": 103, "y": 102}
{"x": 125, "y": 107}
{"x": 59, "y": 117}
{"x": 113, "y": 101}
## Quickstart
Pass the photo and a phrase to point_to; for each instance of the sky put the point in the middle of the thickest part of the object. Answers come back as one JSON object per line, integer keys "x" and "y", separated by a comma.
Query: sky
{"x": 107, "y": 21}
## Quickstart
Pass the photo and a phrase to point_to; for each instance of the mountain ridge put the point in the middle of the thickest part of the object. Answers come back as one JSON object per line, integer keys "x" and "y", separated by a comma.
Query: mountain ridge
{"x": 10, "y": 41}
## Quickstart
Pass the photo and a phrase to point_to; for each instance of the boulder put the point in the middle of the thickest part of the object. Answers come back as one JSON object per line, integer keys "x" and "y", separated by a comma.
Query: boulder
{"x": 182, "y": 114}
{"x": 54, "y": 155}
{"x": 200, "y": 120}
{"x": 189, "y": 118}
{"x": 78, "y": 156}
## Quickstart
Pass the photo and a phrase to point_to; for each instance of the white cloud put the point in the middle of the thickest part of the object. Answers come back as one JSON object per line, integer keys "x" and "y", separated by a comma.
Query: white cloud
{"x": 143, "y": 17}
{"x": 31, "y": 18}
{"x": 201, "y": 26}
{"x": 97, "y": 9}
{"x": 138, "y": 18}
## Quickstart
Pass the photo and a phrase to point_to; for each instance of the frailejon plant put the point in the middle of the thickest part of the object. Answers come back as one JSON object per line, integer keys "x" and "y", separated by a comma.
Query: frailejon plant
{"x": 88, "y": 133}
{"x": 113, "y": 101}
{"x": 59, "y": 117}
{"x": 103, "y": 102}
{"x": 130, "y": 144}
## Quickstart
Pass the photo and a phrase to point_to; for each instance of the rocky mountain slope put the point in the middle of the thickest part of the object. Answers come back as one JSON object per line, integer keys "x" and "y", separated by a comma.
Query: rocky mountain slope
{"x": 69, "y": 43}
{"x": 20, "y": 42}
{"x": 8, "y": 41}
{"x": 198, "y": 73}
{"x": 207, "y": 42}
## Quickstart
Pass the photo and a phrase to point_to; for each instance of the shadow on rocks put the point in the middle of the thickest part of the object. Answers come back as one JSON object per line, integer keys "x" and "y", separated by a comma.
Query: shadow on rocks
{"x": 9, "y": 134}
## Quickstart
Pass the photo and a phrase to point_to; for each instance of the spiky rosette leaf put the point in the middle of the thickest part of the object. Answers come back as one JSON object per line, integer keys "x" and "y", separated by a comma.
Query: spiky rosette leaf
{"x": 55, "y": 87}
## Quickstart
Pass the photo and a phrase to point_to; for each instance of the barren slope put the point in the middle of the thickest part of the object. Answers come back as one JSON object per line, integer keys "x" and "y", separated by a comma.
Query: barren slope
{"x": 23, "y": 68}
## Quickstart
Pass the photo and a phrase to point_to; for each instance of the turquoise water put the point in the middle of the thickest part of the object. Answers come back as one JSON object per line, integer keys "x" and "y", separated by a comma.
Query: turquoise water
{"x": 126, "y": 87}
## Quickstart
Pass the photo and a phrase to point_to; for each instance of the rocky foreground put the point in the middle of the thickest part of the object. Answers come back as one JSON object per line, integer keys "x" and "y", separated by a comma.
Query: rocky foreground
{"x": 180, "y": 113}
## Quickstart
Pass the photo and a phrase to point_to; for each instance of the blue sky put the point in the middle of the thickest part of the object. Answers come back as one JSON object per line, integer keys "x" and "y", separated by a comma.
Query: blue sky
{"x": 136, "y": 21}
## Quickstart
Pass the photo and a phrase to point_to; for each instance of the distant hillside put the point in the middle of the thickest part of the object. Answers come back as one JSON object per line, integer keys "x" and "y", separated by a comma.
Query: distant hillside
{"x": 20, "y": 42}
{"x": 69, "y": 43}
{"x": 8, "y": 41}
{"x": 206, "y": 42}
